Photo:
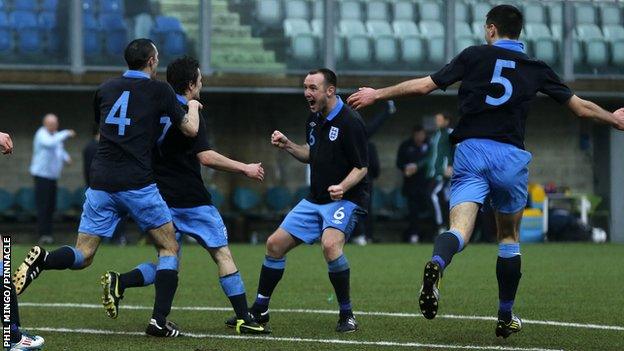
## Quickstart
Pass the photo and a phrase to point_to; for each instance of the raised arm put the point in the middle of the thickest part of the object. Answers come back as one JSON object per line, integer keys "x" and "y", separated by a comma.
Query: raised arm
{"x": 300, "y": 152}
{"x": 215, "y": 160}
{"x": 587, "y": 109}
{"x": 368, "y": 96}
{"x": 49, "y": 141}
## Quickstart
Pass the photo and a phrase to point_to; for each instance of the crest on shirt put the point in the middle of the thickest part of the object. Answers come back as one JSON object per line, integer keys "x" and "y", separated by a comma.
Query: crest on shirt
{"x": 312, "y": 124}
{"x": 333, "y": 133}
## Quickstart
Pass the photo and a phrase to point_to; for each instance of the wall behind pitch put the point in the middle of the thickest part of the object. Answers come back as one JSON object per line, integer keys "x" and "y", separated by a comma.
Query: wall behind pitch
{"x": 240, "y": 126}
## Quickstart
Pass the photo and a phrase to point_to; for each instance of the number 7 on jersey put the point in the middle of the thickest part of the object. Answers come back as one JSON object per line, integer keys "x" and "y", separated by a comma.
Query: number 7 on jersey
{"x": 121, "y": 107}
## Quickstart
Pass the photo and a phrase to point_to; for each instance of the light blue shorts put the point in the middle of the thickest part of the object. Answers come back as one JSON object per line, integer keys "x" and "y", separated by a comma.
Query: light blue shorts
{"x": 102, "y": 210}
{"x": 203, "y": 223}
{"x": 307, "y": 220}
{"x": 485, "y": 167}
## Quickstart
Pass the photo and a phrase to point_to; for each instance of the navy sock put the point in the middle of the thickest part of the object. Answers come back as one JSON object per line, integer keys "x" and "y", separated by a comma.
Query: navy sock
{"x": 232, "y": 285}
{"x": 166, "y": 284}
{"x": 143, "y": 275}
{"x": 508, "y": 273}
{"x": 339, "y": 275}
{"x": 16, "y": 334}
{"x": 65, "y": 257}
{"x": 271, "y": 273}
{"x": 446, "y": 245}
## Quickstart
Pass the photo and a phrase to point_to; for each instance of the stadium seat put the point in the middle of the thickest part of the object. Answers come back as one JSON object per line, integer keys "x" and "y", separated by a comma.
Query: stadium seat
{"x": 318, "y": 12}
{"x": 49, "y": 5}
{"x": 610, "y": 14}
{"x": 317, "y": 30}
{"x": 534, "y": 12}
{"x": 3, "y": 5}
{"x": 28, "y": 35}
{"x": 479, "y": 11}
{"x": 88, "y": 6}
{"x": 434, "y": 32}
{"x": 303, "y": 48}
{"x": 111, "y": 6}
{"x": 64, "y": 200}
{"x": 377, "y": 10}
{"x": 299, "y": 9}
{"x": 403, "y": 10}
{"x": 379, "y": 200}
{"x": 268, "y": 12}
{"x": 555, "y": 12}
{"x": 115, "y": 33}
{"x": 541, "y": 43}
{"x": 595, "y": 47}
{"x": 300, "y": 194}
{"x": 430, "y": 10}
{"x": 614, "y": 34}
{"x": 278, "y": 198}
{"x": 245, "y": 199}
{"x": 350, "y": 10}
{"x": 478, "y": 31}
{"x": 90, "y": 35}
{"x": 25, "y": 5}
{"x": 25, "y": 200}
{"x": 462, "y": 13}
{"x": 584, "y": 13}
{"x": 6, "y": 36}
{"x": 412, "y": 50}
{"x": 7, "y": 200}
{"x": 217, "y": 197}
{"x": 463, "y": 36}
{"x": 356, "y": 40}
{"x": 398, "y": 202}
{"x": 294, "y": 26}
{"x": 48, "y": 26}
{"x": 169, "y": 34}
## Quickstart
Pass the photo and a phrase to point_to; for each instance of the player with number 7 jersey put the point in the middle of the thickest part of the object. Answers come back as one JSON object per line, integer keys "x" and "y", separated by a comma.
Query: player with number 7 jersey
{"x": 128, "y": 110}
{"x": 498, "y": 83}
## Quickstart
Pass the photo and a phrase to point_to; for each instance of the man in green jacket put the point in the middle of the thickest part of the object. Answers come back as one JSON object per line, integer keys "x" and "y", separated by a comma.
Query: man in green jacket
{"x": 440, "y": 168}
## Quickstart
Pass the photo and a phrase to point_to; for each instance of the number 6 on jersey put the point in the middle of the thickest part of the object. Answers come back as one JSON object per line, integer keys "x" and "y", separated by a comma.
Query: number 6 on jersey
{"x": 121, "y": 121}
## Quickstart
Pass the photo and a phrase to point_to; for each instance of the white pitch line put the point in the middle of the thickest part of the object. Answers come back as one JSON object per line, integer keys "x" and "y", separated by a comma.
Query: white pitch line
{"x": 297, "y": 340}
{"x": 310, "y": 311}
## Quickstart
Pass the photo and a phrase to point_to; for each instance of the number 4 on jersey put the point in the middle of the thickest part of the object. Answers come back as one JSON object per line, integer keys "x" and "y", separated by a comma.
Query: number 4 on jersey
{"x": 117, "y": 114}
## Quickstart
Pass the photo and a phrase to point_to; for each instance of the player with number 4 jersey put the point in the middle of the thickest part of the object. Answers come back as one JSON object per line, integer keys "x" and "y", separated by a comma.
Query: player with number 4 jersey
{"x": 498, "y": 83}
{"x": 128, "y": 110}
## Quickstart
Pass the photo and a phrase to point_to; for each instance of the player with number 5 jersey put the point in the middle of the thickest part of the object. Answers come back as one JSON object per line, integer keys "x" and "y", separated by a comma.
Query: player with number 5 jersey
{"x": 128, "y": 110}
{"x": 498, "y": 83}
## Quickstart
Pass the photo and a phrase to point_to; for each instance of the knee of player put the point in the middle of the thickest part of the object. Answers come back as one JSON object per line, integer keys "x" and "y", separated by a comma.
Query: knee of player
{"x": 331, "y": 245}
{"x": 274, "y": 247}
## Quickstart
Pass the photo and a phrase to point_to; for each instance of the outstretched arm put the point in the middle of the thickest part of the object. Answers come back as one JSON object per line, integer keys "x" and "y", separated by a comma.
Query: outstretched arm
{"x": 215, "y": 160}
{"x": 587, "y": 109}
{"x": 300, "y": 152}
{"x": 368, "y": 96}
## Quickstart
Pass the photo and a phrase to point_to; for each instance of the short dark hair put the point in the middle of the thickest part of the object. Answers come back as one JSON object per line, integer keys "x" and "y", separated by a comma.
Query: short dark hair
{"x": 138, "y": 52}
{"x": 181, "y": 72}
{"x": 507, "y": 19}
{"x": 418, "y": 128}
{"x": 447, "y": 116}
{"x": 328, "y": 74}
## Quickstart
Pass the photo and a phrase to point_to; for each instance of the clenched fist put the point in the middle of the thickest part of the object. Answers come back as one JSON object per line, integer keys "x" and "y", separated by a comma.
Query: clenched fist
{"x": 336, "y": 192}
{"x": 279, "y": 140}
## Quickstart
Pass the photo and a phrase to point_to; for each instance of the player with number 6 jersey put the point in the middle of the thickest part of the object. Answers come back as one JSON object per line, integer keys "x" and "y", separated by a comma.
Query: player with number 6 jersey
{"x": 128, "y": 110}
{"x": 498, "y": 83}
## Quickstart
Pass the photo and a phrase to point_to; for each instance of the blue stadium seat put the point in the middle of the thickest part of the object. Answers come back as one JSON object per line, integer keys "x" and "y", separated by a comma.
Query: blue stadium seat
{"x": 111, "y": 6}
{"x": 7, "y": 200}
{"x": 379, "y": 200}
{"x": 384, "y": 42}
{"x": 303, "y": 48}
{"x": 555, "y": 12}
{"x": 610, "y": 14}
{"x": 398, "y": 202}
{"x": 294, "y": 26}
{"x": 356, "y": 41}
{"x": 3, "y": 5}
{"x": 403, "y": 10}
{"x": 434, "y": 32}
{"x": 245, "y": 199}
{"x": 297, "y": 9}
{"x": 88, "y": 6}
{"x": 278, "y": 198}
{"x": 614, "y": 34}
{"x": 300, "y": 194}
{"x": 350, "y": 10}
{"x": 115, "y": 33}
{"x": 49, "y": 5}
{"x": 90, "y": 35}
{"x": 463, "y": 36}
{"x": 541, "y": 43}
{"x": 584, "y": 13}
{"x": 317, "y": 30}
{"x": 317, "y": 10}
{"x": 25, "y": 5}
{"x": 6, "y": 35}
{"x": 28, "y": 35}
{"x": 48, "y": 26}
{"x": 169, "y": 35}
{"x": 479, "y": 11}
{"x": 25, "y": 200}
{"x": 64, "y": 200}
{"x": 217, "y": 197}
{"x": 595, "y": 47}
{"x": 430, "y": 10}
{"x": 534, "y": 12}
{"x": 377, "y": 10}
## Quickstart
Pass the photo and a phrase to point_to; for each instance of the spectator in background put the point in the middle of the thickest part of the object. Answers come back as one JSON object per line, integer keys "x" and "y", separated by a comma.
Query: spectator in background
{"x": 412, "y": 161}
{"x": 6, "y": 144}
{"x": 440, "y": 169}
{"x": 47, "y": 163}
{"x": 139, "y": 18}
{"x": 364, "y": 228}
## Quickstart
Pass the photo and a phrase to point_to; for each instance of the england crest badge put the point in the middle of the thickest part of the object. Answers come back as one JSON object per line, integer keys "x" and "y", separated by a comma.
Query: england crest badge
{"x": 333, "y": 133}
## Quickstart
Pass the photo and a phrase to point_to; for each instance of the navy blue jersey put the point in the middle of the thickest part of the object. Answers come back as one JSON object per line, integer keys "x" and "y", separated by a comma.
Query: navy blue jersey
{"x": 178, "y": 171}
{"x": 338, "y": 144}
{"x": 497, "y": 87}
{"x": 128, "y": 110}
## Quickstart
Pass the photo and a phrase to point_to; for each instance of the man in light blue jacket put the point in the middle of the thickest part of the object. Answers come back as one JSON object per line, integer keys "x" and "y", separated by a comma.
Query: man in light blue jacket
{"x": 49, "y": 155}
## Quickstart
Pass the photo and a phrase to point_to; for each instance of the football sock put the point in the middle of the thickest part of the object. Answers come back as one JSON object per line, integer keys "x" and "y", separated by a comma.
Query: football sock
{"x": 143, "y": 275}
{"x": 271, "y": 273}
{"x": 339, "y": 275}
{"x": 508, "y": 274}
{"x": 16, "y": 335}
{"x": 166, "y": 283}
{"x": 446, "y": 245}
{"x": 65, "y": 257}
{"x": 234, "y": 289}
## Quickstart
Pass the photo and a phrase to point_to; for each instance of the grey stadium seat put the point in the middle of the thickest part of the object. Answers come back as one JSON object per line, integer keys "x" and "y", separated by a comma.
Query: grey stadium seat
{"x": 303, "y": 47}
{"x": 541, "y": 43}
{"x": 555, "y": 12}
{"x": 534, "y": 12}
{"x": 412, "y": 48}
{"x": 269, "y": 12}
{"x": 479, "y": 11}
{"x": 386, "y": 49}
{"x": 350, "y": 9}
{"x": 294, "y": 26}
{"x": 584, "y": 13}
{"x": 403, "y": 10}
{"x": 463, "y": 37}
{"x": 356, "y": 41}
{"x": 433, "y": 32}
{"x": 462, "y": 13}
{"x": 430, "y": 10}
{"x": 595, "y": 47}
{"x": 405, "y": 28}
{"x": 377, "y": 10}
{"x": 610, "y": 14}
{"x": 317, "y": 30}
{"x": 614, "y": 34}
{"x": 296, "y": 9}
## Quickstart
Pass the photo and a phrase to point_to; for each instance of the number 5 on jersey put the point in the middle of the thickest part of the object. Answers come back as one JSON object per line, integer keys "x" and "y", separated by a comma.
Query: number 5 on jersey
{"x": 117, "y": 114}
{"x": 497, "y": 78}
